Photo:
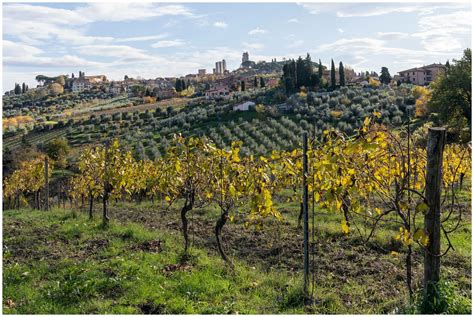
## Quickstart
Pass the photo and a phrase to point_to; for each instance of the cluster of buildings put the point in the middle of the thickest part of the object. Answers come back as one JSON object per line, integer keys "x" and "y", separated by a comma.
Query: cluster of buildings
{"x": 222, "y": 83}
{"x": 221, "y": 68}
{"x": 87, "y": 82}
{"x": 420, "y": 75}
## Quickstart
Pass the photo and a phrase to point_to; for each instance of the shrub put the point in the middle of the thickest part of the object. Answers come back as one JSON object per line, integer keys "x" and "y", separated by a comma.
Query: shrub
{"x": 445, "y": 300}
{"x": 333, "y": 102}
{"x": 351, "y": 94}
{"x": 374, "y": 99}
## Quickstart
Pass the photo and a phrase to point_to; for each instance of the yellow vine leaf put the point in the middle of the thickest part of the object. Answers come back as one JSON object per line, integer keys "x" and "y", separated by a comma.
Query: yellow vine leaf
{"x": 344, "y": 226}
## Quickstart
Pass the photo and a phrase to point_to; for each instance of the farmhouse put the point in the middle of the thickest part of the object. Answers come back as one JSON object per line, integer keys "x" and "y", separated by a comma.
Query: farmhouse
{"x": 117, "y": 88}
{"x": 97, "y": 79}
{"x": 244, "y": 106}
{"x": 81, "y": 84}
{"x": 166, "y": 93}
{"x": 421, "y": 75}
{"x": 223, "y": 92}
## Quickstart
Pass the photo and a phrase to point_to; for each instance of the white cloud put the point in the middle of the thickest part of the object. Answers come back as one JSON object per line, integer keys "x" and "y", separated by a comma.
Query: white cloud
{"x": 35, "y": 24}
{"x": 168, "y": 43}
{"x": 444, "y": 32}
{"x": 120, "y": 51}
{"x": 19, "y": 54}
{"x": 257, "y": 30}
{"x": 19, "y": 50}
{"x": 340, "y": 30}
{"x": 46, "y": 61}
{"x": 129, "y": 11}
{"x": 361, "y": 52}
{"x": 391, "y": 35}
{"x": 142, "y": 38}
{"x": 294, "y": 20}
{"x": 255, "y": 46}
{"x": 221, "y": 25}
{"x": 372, "y": 46}
{"x": 348, "y": 10}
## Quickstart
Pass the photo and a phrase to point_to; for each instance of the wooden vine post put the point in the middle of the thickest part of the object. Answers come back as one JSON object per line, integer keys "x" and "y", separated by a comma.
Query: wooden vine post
{"x": 305, "y": 215}
{"x": 46, "y": 184}
{"x": 434, "y": 165}
{"x": 105, "y": 198}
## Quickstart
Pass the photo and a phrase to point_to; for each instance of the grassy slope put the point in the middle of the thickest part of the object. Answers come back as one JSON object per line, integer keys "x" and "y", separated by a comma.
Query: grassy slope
{"x": 54, "y": 263}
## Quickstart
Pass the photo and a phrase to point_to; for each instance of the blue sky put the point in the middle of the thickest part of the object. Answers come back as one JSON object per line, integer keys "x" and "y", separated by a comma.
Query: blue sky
{"x": 171, "y": 39}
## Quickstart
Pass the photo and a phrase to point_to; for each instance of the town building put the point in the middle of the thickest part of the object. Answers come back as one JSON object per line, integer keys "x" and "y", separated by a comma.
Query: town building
{"x": 166, "y": 93}
{"x": 246, "y": 62}
{"x": 97, "y": 79}
{"x": 245, "y": 57}
{"x": 81, "y": 84}
{"x": 221, "y": 67}
{"x": 349, "y": 75}
{"x": 117, "y": 88}
{"x": 244, "y": 106}
{"x": 421, "y": 75}
{"x": 221, "y": 92}
{"x": 201, "y": 72}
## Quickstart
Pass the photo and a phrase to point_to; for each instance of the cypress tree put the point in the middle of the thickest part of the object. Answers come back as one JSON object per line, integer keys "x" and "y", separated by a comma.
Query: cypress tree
{"x": 17, "y": 89}
{"x": 333, "y": 75}
{"x": 23, "y": 88}
{"x": 262, "y": 82}
{"x": 178, "y": 86}
{"x": 342, "y": 75}
{"x": 320, "y": 69}
{"x": 308, "y": 70}
{"x": 385, "y": 77}
{"x": 300, "y": 73}
{"x": 255, "y": 82}
{"x": 242, "y": 85}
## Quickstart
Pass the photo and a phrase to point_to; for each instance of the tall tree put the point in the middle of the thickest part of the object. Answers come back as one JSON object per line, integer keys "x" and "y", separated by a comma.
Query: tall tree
{"x": 333, "y": 75}
{"x": 308, "y": 70}
{"x": 262, "y": 82}
{"x": 255, "y": 82}
{"x": 178, "y": 85}
{"x": 342, "y": 75}
{"x": 17, "y": 89}
{"x": 451, "y": 96}
{"x": 300, "y": 73}
{"x": 289, "y": 77}
{"x": 320, "y": 69}
{"x": 23, "y": 88}
{"x": 242, "y": 85}
{"x": 385, "y": 77}
{"x": 314, "y": 81}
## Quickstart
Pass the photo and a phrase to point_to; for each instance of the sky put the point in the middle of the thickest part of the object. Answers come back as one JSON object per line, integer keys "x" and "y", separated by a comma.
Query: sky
{"x": 150, "y": 40}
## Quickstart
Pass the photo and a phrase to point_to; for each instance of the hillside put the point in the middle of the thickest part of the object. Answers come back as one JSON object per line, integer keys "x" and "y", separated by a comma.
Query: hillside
{"x": 149, "y": 128}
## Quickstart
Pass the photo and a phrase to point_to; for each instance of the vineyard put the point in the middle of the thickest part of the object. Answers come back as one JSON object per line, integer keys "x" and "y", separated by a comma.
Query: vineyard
{"x": 376, "y": 190}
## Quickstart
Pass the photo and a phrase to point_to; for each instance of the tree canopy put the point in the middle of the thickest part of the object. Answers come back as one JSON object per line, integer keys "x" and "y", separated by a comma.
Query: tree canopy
{"x": 385, "y": 77}
{"x": 451, "y": 96}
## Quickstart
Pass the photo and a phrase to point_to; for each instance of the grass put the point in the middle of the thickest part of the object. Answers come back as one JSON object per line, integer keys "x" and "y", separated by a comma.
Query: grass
{"x": 57, "y": 263}
{"x": 76, "y": 266}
